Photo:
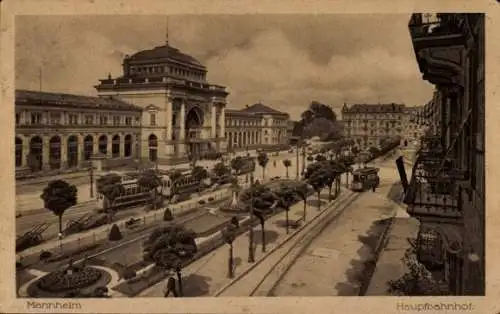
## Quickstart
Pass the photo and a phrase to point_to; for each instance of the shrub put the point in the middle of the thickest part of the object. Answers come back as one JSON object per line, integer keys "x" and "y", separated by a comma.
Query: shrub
{"x": 129, "y": 273}
{"x": 201, "y": 202}
{"x": 114, "y": 233}
{"x": 59, "y": 281}
{"x": 211, "y": 199}
{"x": 167, "y": 215}
{"x": 45, "y": 255}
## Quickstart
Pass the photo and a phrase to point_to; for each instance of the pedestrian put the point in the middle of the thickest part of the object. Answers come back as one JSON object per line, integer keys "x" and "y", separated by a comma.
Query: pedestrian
{"x": 170, "y": 287}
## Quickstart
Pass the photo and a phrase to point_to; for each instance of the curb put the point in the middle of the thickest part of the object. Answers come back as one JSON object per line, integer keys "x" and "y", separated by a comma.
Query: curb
{"x": 379, "y": 247}
{"x": 290, "y": 237}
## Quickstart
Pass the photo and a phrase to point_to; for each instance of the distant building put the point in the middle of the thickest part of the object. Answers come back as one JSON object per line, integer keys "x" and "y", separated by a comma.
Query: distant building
{"x": 56, "y": 131}
{"x": 413, "y": 128}
{"x": 183, "y": 114}
{"x": 256, "y": 126}
{"x": 369, "y": 124}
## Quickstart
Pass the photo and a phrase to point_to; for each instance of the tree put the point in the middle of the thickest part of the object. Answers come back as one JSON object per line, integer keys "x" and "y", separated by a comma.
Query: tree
{"x": 286, "y": 195}
{"x": 199, "y": 173}
{"x": 237, "y": 164}
{"x": 317, "y": 180}
{"x": 320, "y": 157}
{"x": 114, "y": 233}
{"x": 303, "y": 192}
{"x": 221, "y": 170}
{"x": 373, "y": 150}
{"x": 263, "y": 159}
{"x": 169, "y": 248}
{"x": 167, "y": 215}
{"x": 58, "y": 197}
{"x": 262, "y": 202}
{"x": 109, "y": 186}
{"x": 287, "y": 163}
{"x": 229, "y": 235}
{"x": 174, "y": 175}
{"x": 355, "y": 150}
{"x": 149, "y": 180}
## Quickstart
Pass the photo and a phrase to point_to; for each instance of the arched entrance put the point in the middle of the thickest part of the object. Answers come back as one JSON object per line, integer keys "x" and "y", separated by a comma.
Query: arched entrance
{"x": 128, "y": 145}
{"x": 194, "y": 122}
{"x": 35, "y": 161}
{"x": 115, "y": 146}
{"x": 55, "y": 152}
{"x": 88, "y": 147}
{"x": 103, "y": 145}
{"x": 19, "y": 152}
{"x": 72, "y": 151}
{"x": 153, "y": 147}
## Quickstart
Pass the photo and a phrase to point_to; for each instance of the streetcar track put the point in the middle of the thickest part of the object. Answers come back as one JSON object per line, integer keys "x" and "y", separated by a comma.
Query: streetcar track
{"x": 294, "y": 236}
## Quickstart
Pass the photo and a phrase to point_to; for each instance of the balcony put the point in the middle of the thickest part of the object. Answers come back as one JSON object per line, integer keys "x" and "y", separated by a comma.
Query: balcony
{"x": 433, "y": 194}
{"x": 439, "y": 41}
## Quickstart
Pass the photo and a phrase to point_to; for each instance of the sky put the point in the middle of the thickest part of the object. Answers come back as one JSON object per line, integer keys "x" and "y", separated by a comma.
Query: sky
{"x": 284, "y": 61}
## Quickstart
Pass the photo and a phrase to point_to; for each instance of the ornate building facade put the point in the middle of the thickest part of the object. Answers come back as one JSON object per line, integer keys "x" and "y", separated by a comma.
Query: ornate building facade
{"x": 183, "y": 114}
{"x": 256, "y": 126}
{"x": 57, "y": 131}
{"x": 413, "y": 127}
{"x": 369, "y": 124}
{"x": 447, "y": 188}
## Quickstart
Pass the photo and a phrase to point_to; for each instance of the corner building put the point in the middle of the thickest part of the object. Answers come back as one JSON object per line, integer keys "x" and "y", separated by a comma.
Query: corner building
{"x": 183, "y": 114}
{"x": 447, "y": 189}
{"x": 369, "y": 124}
{"x": 57, "y": 131}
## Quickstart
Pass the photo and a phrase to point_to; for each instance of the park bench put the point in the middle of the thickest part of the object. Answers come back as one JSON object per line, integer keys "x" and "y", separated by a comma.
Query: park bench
{"x": 296, "y": 223}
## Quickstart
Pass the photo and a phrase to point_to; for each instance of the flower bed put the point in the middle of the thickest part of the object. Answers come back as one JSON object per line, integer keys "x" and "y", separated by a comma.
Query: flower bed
{"x": 59, "y": 284}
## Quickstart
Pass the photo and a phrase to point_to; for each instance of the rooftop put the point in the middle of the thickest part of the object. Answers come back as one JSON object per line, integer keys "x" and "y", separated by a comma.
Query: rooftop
{"x": 263, "y": 109}
{"x": 164, "y": 52}
{"x": 380, "y": 108}
{"x": 71, "y": 100}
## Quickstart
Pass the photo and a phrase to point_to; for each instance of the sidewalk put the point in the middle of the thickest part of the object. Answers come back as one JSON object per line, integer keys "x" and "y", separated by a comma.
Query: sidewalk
{"x": 208, "y": 274}
{"x": 389, "y": 265}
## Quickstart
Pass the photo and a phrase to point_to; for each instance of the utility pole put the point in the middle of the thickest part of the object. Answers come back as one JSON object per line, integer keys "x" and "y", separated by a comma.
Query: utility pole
{"x": 303, "y": 158}
{"x": 91, "y": 181}
{"x": 251, "y": 257}
{"x": 298, "y": 148}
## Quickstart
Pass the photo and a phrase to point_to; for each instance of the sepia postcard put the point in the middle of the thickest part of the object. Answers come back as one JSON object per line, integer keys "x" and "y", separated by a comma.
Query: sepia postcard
{"x": 249, "y": 156}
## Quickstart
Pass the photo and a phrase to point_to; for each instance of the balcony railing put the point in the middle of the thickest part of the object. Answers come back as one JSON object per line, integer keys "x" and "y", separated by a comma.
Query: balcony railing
{"x": 431, "y": 195}
{"x": 435, "y": 25}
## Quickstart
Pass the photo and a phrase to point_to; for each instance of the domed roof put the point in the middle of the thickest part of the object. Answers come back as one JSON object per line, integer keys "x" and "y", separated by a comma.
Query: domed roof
{"x": 162, "y": 52}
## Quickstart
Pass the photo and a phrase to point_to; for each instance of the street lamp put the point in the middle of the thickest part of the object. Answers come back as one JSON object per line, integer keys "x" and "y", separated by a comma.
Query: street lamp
{"x": 251, "y": 257}
{"x": 91, "y": 174}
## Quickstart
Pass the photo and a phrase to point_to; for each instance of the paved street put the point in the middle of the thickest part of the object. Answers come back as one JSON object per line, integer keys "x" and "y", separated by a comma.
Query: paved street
{"x": 207, "y": 275}
{"x": 335, "y": 263}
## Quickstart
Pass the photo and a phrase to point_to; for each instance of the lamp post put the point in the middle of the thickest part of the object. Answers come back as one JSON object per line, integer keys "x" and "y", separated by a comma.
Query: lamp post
{"x": 251, "y": 257}
{"x": 91, "y": 174}
{"x": 297, "y": 163}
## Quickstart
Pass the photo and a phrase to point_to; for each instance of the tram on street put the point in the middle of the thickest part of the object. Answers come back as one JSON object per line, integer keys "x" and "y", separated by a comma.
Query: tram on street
{"x": 365, "y": 179}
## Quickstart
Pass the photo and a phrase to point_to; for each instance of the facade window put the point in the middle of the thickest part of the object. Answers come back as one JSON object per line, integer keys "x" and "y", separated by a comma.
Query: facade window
{"x": 137, "y": 120}
{"x": 116, "y": 120}
{"x": 73, "y": 118}
{"x": 128, "y": 120}
{"x": 152, "y": 119}
{"x": 36, "y": 118}
{"x": 89, "y": 119}
{"x": 103, "y": 120}
{"x": 18, "y": 119}
{"x": 55, "y": 118}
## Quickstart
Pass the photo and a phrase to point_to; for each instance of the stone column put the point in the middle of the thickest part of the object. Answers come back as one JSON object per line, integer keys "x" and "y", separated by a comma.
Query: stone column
{"x": 64, "y": 152}
{"x": 182, "y": 124}
{"x": 213, "y": 125}
{"x": 222, "y": 121}
{"x": 26, "y": 151}
{"x": 95, "y": 144}
{"x": 168, "y": 118}
{"x": 122, "y": 145}
{"x": 109, "y": 153}
{"x": 45, "y": 153}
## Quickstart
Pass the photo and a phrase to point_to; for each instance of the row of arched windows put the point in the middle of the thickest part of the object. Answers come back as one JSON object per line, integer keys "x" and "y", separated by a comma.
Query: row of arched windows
{"x": 74, "y": 153}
